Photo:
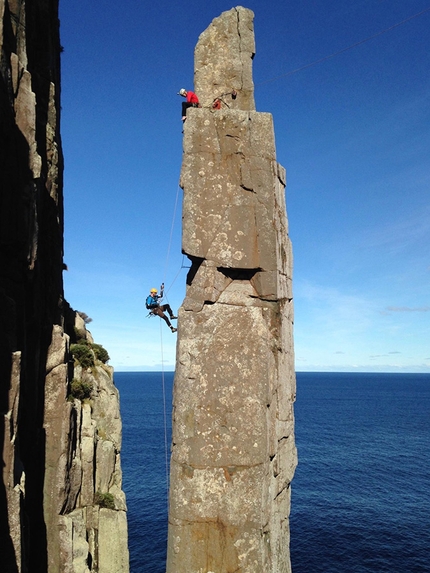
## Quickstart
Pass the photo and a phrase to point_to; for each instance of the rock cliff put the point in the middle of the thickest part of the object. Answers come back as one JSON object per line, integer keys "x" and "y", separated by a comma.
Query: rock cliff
{"x": 233, "y": 450}
{"x": 62, "y": 509}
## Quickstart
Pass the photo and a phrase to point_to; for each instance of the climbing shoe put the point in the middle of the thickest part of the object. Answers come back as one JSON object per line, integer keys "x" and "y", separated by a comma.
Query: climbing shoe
{"x": 173, "y": 329}
{"x": 173, "y": 317}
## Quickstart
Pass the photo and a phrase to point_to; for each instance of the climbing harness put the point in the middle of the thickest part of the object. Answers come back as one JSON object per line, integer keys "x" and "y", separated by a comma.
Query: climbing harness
{"x": 216, "y": 105}
{"x": 150, "y": 314}
{"x": 220, "y": 99}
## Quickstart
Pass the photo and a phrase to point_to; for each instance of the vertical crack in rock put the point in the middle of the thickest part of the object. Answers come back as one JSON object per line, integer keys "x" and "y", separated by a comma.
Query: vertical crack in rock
{"x": 233, "y": 452}
{"x": 240, "y": 45}
{"x": 223, "y": 60}
{"x": 62, "y": 508}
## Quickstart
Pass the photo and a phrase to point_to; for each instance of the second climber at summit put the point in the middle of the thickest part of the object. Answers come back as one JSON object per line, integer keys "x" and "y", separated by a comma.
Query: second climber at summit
{"x": 191, "y": 101}
{"x": 153, "y": 305}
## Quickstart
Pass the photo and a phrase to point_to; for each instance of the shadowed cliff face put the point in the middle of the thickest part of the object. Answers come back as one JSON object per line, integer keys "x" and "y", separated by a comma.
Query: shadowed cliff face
{"x": 50, "y": 516}
{"x": 233, "y": 450}
{"x": 31, "y": 233}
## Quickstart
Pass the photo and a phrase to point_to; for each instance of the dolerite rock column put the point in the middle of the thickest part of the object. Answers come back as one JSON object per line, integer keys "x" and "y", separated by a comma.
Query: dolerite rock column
{"x": 233, "y": 452}
{"x": 62, "y": 508}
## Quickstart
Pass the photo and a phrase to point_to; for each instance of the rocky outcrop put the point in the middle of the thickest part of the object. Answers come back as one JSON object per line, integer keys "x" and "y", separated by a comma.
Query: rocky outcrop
{"x": 233, "y": 451}
{"x": 84, "y": 505}
{"x": 61, "y": 504}
{"x": 223, "y": 61}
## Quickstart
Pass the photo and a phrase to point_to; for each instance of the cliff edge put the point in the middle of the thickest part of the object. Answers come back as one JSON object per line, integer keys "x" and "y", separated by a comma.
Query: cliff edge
{"x": 62, "y": 508}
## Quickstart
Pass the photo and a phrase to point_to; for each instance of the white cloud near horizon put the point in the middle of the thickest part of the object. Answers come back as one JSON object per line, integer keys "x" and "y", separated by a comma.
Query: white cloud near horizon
{"x": 407, "y": 309}
{"x": 335, "y": 329}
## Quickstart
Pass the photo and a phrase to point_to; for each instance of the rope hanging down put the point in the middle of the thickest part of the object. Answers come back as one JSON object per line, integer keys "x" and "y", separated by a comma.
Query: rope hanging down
{"x": 166, "y": 455}
{"x": 343, "y": 50}
{"x": 174, "y": 216}
{"x": 171, "y": 234}
{"x": 163, "y": 383}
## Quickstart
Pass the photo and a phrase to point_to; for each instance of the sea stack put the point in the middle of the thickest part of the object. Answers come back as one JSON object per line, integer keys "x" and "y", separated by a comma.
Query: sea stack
{"x": 233, "y": 450}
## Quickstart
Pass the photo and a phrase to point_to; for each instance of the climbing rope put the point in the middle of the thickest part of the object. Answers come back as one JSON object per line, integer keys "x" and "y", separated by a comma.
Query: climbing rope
{"x": 343, "y": 49}
{"x": 171, "y": 233}
{"x": 216, "y": 104}
{"x": 220, "y": 99}
{"x": 163, "y": 383}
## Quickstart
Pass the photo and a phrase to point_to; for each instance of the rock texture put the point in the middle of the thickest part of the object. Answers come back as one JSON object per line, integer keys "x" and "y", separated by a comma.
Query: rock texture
{"x": 223, "y": 61}
{"x": 61, "y": 504}
{"x": 233, "y": 451}
{"x": 84, "y": 505}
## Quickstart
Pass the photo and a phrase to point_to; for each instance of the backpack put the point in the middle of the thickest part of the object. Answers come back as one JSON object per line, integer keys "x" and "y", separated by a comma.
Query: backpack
{"x": 150, "y": 304}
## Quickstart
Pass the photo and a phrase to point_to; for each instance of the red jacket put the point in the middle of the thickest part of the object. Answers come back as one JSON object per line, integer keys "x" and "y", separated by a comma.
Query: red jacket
{"x": 192, "y": 98}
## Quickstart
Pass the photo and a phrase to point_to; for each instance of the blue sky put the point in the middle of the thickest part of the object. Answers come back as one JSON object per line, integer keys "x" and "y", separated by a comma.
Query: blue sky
{"x": 353, "y": 133}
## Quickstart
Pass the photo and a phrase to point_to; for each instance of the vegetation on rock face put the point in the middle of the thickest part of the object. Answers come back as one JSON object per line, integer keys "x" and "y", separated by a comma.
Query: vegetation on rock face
{"x": 83, "y": 354}
{"x": 86, "y": 353}
{"x": 85, "y": 317}
{"x": 106, "y": 500}
{"x": 100, "y": 352}
{"x": 80, "y": 389}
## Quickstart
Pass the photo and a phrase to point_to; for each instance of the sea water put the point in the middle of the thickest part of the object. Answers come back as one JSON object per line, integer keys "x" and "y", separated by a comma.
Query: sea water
{"x": 361, "y": 491}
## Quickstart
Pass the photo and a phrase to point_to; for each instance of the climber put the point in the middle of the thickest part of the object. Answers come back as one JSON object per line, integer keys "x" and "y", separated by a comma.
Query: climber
{"x": 192, "y": 101}
{"x": 157, "y": 309}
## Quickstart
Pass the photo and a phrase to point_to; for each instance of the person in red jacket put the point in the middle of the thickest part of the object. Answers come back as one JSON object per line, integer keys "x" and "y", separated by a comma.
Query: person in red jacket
{"x": 191, "y": 101}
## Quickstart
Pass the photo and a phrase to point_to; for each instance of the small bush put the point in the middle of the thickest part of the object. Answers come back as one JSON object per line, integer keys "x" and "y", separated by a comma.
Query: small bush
{"x": 106, "y": 500}
{"x": 83, "y": 354}
{"x": 80, "y": 389}
{"x": 101, "y": 353}
{"x": 85, "y": 317}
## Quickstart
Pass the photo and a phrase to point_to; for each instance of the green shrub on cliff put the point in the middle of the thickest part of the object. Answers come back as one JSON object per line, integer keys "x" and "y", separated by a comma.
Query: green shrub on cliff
{"x": 100, "y": 352}
{"x": 80, "y": 389}
{"x": 85, "y": 317}
{"x": 83, "y": 354}
{"x": 106, "y": 500}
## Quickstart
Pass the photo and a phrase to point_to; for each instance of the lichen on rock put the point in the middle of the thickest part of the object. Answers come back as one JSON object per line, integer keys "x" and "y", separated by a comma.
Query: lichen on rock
{"x": 233, "y": 450}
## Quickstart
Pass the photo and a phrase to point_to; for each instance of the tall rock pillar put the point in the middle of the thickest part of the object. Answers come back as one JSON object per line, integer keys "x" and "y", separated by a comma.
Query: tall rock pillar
{"x": 233, "y": 452}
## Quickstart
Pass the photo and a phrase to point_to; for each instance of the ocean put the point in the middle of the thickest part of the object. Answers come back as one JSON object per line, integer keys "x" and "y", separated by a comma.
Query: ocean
{"x": 361, "y": 491}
